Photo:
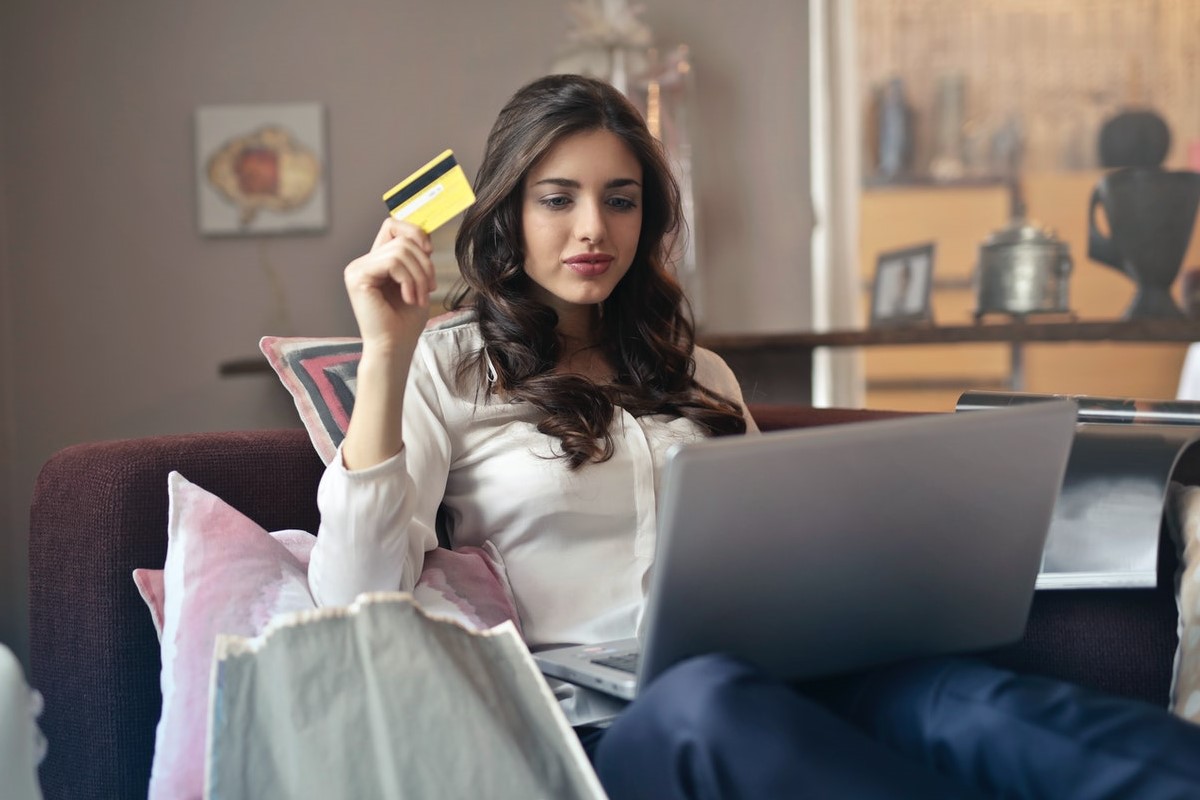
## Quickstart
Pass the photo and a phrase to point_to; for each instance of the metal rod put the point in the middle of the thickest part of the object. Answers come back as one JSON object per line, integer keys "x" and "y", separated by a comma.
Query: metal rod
{"x": 1016, "y": 375}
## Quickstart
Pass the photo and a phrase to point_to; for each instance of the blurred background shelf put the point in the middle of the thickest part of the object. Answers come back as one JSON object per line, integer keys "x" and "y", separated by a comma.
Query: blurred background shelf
{"x": 777, "y": 368}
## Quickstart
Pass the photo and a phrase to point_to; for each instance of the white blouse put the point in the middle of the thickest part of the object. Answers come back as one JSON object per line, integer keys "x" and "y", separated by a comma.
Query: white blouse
{"x": 576, "y": 547}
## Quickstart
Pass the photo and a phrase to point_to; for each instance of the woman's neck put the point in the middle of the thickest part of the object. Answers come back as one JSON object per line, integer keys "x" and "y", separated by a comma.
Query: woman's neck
{"x": 579, "y": 337}
{"x": 580, "y": 328}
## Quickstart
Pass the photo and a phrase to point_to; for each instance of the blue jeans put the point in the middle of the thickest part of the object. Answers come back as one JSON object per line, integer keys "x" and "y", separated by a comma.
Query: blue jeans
{"x": 715, "y": 727}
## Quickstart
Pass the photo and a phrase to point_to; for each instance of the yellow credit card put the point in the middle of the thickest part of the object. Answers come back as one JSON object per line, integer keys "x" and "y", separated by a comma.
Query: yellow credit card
{"x": 432, "y": 195}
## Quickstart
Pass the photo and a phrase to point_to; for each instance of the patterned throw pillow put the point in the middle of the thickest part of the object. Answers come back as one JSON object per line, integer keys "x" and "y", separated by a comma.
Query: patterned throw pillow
{"x": 320, "y": 374}
{"x": 1184, "y": 525}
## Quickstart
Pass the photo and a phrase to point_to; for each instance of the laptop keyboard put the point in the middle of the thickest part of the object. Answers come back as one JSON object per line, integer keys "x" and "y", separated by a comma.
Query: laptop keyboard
{"x": 626, "y": 662}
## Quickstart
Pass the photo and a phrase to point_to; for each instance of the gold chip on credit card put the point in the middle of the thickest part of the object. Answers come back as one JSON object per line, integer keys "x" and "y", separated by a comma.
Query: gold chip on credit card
{"x": 431, "y": 195}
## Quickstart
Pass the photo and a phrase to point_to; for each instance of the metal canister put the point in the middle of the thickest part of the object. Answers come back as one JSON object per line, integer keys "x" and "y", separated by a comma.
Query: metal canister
{"x": 1023, "y": 269}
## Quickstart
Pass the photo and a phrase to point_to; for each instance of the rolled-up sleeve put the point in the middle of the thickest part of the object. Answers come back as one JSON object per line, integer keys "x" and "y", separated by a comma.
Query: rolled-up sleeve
{"x": 378, "y": 523}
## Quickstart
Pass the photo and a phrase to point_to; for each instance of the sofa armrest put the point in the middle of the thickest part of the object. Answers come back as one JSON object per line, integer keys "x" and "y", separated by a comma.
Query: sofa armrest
{"x": 99, "y": 511}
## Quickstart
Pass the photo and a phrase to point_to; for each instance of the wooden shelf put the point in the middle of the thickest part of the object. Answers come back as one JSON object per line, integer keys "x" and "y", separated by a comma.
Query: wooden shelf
{"x": 778, "y": 367}
{"x": 1145, "y": 330}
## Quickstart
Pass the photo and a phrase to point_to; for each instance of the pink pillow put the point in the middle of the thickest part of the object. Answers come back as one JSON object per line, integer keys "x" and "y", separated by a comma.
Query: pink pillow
{"x": 150, "y": 582}
{"x": 224, "y": 574}
{"x": 465, "y": 584}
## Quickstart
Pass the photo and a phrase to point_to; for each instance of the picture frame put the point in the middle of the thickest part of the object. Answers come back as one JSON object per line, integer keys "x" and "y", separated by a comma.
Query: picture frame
{"x": 260, "y": 168}
{"x": 902, "y": 286}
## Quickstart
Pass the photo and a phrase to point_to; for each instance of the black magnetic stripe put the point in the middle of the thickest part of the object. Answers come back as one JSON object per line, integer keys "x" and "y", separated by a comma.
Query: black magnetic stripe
{"x": 432, "y": 174}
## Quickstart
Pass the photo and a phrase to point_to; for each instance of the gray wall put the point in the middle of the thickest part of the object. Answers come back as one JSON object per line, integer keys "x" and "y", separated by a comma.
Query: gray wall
{"x": 123, "y": 311}
{"x": 12, "y": 546}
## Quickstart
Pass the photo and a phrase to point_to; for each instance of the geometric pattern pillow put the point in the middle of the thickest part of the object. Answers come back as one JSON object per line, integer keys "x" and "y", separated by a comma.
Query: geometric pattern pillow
{"x": 320, "y": 374}
{"x": 1184, "y": 524}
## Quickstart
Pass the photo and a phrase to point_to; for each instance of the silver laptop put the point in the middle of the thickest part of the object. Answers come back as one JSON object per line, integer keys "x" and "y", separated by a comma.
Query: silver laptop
{"x": 825, "y": 550}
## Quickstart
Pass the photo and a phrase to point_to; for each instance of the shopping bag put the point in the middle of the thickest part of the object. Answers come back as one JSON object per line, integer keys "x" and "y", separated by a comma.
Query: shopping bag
{"x": 381, "y": 700}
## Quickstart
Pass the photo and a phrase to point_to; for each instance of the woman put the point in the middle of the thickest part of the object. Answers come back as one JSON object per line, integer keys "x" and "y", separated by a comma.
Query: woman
{"x": 534, "y": 425}
{"x": 538, "y": 422}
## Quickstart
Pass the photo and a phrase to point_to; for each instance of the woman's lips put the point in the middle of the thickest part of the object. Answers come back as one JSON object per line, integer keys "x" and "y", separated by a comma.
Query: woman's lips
{"x": 589, "y": 265}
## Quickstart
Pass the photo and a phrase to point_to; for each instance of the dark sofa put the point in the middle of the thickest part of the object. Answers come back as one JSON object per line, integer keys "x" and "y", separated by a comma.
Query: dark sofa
{"x": 100, "y": 510}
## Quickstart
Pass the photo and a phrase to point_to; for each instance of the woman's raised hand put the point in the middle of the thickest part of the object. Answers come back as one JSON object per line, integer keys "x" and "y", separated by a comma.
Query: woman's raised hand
{"x": 389, "y": 291}
{"x": 389, "y": 287}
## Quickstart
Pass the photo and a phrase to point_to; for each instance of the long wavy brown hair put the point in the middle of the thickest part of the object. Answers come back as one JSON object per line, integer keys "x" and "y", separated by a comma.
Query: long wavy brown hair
{"x": 646, "y": 327}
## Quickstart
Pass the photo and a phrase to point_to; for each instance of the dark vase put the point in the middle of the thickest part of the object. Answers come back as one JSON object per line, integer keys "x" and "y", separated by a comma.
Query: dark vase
{"x": 1134, "y": 139}
{"x": 1151, "y": 213}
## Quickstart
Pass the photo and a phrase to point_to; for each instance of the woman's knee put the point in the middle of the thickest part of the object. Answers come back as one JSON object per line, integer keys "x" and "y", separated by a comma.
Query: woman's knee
{"x": 686, "y": 696}
{"x": 659, "y": 745}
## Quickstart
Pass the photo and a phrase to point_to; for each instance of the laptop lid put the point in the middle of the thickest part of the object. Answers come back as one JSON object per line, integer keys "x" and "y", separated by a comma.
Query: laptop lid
{"x": 817, "y": 551}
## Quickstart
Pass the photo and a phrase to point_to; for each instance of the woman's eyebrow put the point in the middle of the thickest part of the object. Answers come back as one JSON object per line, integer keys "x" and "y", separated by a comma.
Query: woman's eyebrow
{"x": 567, "y": 183}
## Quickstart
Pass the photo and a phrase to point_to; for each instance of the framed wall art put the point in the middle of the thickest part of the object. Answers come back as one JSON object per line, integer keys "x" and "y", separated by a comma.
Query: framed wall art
{"x": 260, "y": 169}
{"x": 903, "y": 279}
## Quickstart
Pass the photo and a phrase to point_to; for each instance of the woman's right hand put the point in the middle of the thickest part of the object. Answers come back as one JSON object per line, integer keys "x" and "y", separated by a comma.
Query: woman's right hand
{"x": 389, "y": 288}
{"x": 389, "y": 291}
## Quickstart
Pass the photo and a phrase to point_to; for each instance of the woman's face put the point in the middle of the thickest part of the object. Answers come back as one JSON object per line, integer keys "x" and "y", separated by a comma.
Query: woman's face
{"x": 581, "y": 218}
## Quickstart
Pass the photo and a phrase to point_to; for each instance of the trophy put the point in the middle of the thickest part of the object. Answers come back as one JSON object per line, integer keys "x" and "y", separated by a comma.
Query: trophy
{"x": 1151, "y": 212}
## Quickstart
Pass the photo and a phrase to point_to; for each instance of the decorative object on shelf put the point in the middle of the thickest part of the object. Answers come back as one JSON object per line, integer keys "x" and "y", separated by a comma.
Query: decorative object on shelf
{"x": 1023, "y": 268}
{"x": 260, "y": 168}
{"x": 949, "y": 112}
{"x": 893, "y": 116}
{"x": 1006, "y": 145}
{"x": 903, "y": 279}
{"x": 606, "y": 40}
{"x": 1134, "y": 138}
{"x": 1151, "y": 213}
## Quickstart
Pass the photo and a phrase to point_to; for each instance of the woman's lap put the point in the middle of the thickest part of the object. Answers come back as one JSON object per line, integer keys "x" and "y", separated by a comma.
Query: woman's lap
{"x": 714, "y": 726}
